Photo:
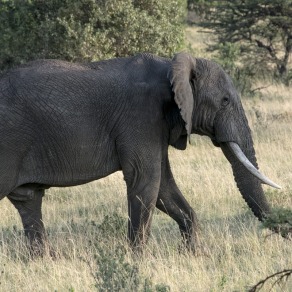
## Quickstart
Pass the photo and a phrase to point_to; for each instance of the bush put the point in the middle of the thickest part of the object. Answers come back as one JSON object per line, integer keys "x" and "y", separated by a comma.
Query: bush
{"x": 114, "y": 273}
{"x": 85, "y": 30}
{"x": 280, "y": 221}
{"x": 113, "y": 226}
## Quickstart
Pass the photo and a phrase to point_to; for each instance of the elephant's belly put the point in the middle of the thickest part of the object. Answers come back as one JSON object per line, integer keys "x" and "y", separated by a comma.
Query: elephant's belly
{"x": 68, "y": 169}
{"x": 79, "y": 177}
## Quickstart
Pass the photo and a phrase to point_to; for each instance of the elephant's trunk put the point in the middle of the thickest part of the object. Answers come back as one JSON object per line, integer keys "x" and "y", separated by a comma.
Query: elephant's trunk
{"x": 248, "y": 185}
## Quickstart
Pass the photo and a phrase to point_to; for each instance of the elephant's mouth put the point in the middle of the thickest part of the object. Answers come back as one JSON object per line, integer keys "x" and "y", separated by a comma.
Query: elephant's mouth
{"x": 207, "y": 131}
{"x": 215, "y": 143}
{"x": 240, "y": 156}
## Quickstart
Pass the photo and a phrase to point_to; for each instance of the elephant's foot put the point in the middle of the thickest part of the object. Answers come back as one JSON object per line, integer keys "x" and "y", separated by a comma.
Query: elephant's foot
{"x": 138, "y": 239}
{"x": 27, "y": 200}
{"x": 197, "y": 250}
{"x": 36, "y": 250}
{"x": 191, "y": 244}
{"x": 41, "y": 248}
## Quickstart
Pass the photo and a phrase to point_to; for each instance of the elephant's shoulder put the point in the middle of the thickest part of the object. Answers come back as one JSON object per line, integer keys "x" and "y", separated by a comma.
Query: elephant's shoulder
{"x": 145, "y": 59}
{"x": 147, "y": 68}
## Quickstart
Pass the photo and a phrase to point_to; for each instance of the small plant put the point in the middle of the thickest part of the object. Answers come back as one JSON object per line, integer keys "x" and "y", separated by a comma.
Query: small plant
{"x": 113, "y": 225}
{"x": 114, "y": 273}
{"x": 222, "y": 282}
{"x": 280, "y": 221}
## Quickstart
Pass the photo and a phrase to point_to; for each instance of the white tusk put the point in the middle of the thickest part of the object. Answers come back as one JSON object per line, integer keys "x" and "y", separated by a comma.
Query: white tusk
{"x": 249, "y": 166}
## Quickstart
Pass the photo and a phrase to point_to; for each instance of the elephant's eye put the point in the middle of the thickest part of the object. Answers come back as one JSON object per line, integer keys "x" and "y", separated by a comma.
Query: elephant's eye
{"x": 225, "y": 101}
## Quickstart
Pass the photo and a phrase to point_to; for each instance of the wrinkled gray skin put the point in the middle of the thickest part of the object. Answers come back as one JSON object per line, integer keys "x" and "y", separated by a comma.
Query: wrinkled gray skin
{"x": 64, "y": 124}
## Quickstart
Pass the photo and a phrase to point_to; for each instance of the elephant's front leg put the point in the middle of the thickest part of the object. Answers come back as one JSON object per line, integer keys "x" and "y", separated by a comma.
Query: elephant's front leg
{"x": 28, "y": 203}
{"x": 143, "y": 180}
{"x": 172, "y": 202}
{"x": 140, "y": 208}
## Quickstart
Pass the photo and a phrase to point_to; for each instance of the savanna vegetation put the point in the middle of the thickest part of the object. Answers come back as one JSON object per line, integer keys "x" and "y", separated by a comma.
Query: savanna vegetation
{"x": 86, "y": 225}
{"x": 258, "y": 33}
{"x": 85, "y": 30}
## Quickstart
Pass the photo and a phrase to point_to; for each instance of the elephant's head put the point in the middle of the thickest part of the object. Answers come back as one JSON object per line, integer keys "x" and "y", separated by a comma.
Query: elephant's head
{"x": 209, "y": 105}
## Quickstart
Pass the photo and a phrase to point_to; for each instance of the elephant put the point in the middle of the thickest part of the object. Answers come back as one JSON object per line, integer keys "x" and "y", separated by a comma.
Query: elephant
{"x": 64, "y": 124}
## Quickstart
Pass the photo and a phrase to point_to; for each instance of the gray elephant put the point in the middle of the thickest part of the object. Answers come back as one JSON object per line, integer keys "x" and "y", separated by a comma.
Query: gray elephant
{"x": 65, "y": 124}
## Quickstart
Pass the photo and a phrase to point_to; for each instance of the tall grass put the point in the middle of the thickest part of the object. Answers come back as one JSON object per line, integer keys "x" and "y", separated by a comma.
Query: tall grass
{"x": 87, "y": 224}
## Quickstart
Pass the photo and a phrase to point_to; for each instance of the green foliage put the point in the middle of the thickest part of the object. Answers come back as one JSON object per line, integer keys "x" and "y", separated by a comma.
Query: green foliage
{"x": 114, "y": 273}
{"x": 88, "y": 29}
{"x": 280, "y": 220}
{"x": 201, "y": 7}
{"x": 113, "y": 226}
{"x": 261, "y": 28}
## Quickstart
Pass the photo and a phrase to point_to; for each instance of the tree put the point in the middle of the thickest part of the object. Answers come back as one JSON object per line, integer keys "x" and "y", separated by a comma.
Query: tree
{"x": 262, "y": 28}
{"x": 85, "y": 30}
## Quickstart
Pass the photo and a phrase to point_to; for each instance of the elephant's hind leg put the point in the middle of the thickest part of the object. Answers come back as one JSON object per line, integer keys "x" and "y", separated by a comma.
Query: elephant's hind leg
{"x": 172, "y": 202}
{"x": 28, "y": 202}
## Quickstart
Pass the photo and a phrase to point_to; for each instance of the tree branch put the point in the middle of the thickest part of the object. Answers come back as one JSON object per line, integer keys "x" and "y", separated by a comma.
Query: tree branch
{"x": 283, "y": 276}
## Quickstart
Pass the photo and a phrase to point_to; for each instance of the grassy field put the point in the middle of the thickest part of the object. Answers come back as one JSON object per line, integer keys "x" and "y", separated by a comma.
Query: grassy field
{"x": 87, "y": 224}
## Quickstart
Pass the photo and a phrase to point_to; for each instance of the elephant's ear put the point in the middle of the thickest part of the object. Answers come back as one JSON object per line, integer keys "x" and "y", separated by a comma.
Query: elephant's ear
{"x": 182, "y": 70}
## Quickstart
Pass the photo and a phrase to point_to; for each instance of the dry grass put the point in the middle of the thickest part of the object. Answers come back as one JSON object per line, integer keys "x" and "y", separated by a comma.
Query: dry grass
{"x": 239, "y": 252}
{"x": 197, "y": 39}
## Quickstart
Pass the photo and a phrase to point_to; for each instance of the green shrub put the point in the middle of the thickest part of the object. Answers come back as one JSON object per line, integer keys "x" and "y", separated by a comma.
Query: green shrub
{"x": 114, "y": 273}
{"x": 85, "y": 30}
{"x": 280, "y": 220}
{"x": 113, "y": 226}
